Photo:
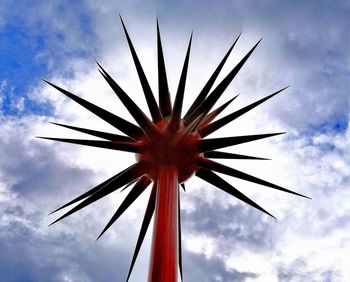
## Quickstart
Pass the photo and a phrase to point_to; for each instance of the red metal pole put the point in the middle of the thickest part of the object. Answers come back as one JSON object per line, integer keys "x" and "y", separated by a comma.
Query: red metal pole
{"x": 164, "y": 253}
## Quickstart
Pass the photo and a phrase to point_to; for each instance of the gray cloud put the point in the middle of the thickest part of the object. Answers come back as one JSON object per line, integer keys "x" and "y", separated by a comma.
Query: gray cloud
{"x": 36, "y": 180}
{"x": 296, "y": 271}
{"x": 199, "y": 268}
{"x": 233, "y": 226}
{"x": 27, "y": 255}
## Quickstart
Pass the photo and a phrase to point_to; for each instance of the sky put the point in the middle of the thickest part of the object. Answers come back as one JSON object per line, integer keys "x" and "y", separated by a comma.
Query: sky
{"x": 305, "y": 45}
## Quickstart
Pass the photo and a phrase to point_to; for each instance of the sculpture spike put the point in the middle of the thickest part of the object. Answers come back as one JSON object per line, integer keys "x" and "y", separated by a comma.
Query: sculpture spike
{"x": 135, "y": 192}
{"x": 121, "y": 124}
{"x": 151, "y": 102}
{"x": 164, "y": 95}
{"x": 192, "y": 127}
{"x": 225, "y": 155}
{"x": 145, "y": 223}
{"x": 217, "y": 143}
{"x": 145, "y": 123}
{"x": 214, "y": 96}
{"x": 227, "y": 119}
{"x": 128, "y": 185}
{"x": 174, "y": 122}
{"x": 88, "y": 193}
{"x": 128, "y": 175}
{"x": 104, "y": 135}
{"x": 210, "y": 117}
{"x": 205, "y": 91}
{"x": 120, "y": 146}
{"x": 211, "y": 165}
{"x": 183, "y": 186}
{"x": 212, "y": 178}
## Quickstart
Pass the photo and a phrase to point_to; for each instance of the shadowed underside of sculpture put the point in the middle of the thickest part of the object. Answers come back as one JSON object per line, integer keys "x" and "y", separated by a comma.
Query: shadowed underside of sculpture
{"x": 169, "y": 149}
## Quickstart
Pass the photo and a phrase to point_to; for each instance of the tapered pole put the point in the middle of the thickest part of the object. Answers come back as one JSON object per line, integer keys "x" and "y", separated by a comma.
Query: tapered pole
{"x": 164, "y": 252}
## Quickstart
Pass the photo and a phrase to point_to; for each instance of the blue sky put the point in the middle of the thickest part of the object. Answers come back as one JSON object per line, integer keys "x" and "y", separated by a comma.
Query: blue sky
{"x": 305, "y": 45}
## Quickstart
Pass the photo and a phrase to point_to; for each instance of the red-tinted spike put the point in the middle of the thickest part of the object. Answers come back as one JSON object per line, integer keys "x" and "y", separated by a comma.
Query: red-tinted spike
{"x": 146, "y": 124}
{"x": 164, "y": 95}
{"x": 210, "y": 117}
{"x": 208, "y": 164}
{"x": 217, "y": 143}
{"x": 179, "y": 235}
{"x": 212, "y": 178}
{"x": 225, "y": 155}
{"x": 151, "y": 102}
{"x": 145, "y": 223}
{"x": 88, "y": 193}
{"x": 128, "y": 175}
{"x": 104, "y": 135}
{"x": 210, "y": 101}
{"x": 192, "y": 126}
{"x": 120, "y": 146}
{"x": 227, "y": 119}
{"x": 177, "y": 109}
{"x": 135, "y": 192}
{"x": 119, "y": 123}
{"x": 203, "y": 94}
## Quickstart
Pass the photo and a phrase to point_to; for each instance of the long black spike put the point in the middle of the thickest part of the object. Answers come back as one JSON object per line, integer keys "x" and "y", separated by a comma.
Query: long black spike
{"x": 145, "y": 223}
{"x": 120, "y": 146}
{"x": 104, "y": 135}
{"x": 151, "y": 102}
{"x": 177, "y": 109}
{"x": 210, "y": 101}
{"x": 88, "y": 193}
{"x": 135, "y": 192}
{"x": 124, "y": 126}
{"x": 212, "y": 178}
{"x": 227, "y": 119}
{"x": 146, "y": 124}
{"x": 163, "y": 88}
{"x": 203, "y": 94}
{"x": 183, "y": 186}
{"x": 179, "y": 235}
{"x": 128, "y": 175}
{"x": 225, "y": 155}
{"x": 217, "y": 143}
{"x": 211, "y": 116}
{"x": 208, "y": 164}
{"x": 128, "y": 185}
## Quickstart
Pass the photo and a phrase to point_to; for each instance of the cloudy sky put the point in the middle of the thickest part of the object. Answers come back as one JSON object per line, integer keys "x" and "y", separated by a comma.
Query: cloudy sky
{"x": 305, "y": 45}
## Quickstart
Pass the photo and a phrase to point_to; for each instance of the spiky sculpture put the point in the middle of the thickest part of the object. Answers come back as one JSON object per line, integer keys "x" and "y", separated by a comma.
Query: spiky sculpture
{"x": 169, "y": 150}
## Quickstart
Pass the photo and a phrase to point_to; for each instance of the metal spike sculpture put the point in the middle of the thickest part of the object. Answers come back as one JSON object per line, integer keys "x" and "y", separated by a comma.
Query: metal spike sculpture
{"x": 169, "y": 149}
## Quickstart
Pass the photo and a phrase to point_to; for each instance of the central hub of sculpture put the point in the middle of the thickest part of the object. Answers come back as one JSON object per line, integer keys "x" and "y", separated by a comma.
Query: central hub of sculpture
{"x": 178, "y": 148}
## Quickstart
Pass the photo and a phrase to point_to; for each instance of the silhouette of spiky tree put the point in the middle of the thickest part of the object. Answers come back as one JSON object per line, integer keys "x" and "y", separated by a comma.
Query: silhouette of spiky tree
{"x": 169, "y": 150}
